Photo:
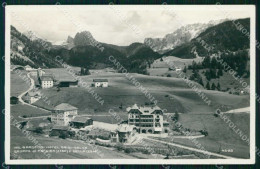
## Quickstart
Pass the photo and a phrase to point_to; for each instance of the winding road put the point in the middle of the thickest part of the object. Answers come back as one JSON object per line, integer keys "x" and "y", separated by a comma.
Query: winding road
{"x": 30, "y": 88}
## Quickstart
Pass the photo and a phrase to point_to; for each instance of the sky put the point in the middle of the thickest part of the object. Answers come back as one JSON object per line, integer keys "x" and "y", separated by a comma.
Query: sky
{"x": 114, "y": 24}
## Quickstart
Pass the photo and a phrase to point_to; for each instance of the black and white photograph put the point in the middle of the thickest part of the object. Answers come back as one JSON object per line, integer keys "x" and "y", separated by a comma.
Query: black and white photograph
{"x": 130, "y": 84}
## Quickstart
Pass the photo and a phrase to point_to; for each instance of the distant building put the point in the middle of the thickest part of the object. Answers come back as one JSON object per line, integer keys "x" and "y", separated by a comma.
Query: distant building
{"x": 177, "y": 69}
{"x": 34, "y": 72}
{"x": 81, "y": 122}
{"x": 20, "y": 48}
{"x": 46, "y": 81}
{"x": 147, "y": 119}
{"x": 40, "y": 72}
{"x": 32, "y": 97}
{"x": 28, "y": 68}
{"x": 59, "y": 130}
{"x": 123, "y": 134}
{"x": 63, "y": 114}
{"x": 68, "y": 83}
{"x": 100, "y": 82}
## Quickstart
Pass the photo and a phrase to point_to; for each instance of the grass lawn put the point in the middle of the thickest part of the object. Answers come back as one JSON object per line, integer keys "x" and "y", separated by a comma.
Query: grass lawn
{"x": 122, "y": 91}
{"x": 21, "y": 110}
{"x": 220, "y": 136}
{"x": 18, "y": 84}
{"x": 20, "y": 140}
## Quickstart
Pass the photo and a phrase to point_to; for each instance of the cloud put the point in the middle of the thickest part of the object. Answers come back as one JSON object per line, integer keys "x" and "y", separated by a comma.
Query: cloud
{"x": 120, "y": 25}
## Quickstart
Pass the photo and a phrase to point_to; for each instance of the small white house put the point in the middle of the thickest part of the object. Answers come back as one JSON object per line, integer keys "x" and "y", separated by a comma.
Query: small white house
{"x": 20, "y": 48}
{"x": 40, "y": 72}
{"x": 32, "y": 97}
{"x": 28, "y": 68}
{"x": 100, "y": 82}
{"x": 63, "y": 114}
{"x": 46, "y": 81}
{"x": 178, "y": 69}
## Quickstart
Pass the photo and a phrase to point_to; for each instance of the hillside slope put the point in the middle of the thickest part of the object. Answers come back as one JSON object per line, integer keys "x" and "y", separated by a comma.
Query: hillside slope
{"x": 224, "y": 37}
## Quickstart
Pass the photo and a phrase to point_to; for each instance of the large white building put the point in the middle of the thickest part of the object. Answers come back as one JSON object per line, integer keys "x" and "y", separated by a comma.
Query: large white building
{"x": 46, "y": 81}
{"x": 100, "y": 82}
{"x": 147, "y": 119}
{"x": 63, "y": 114}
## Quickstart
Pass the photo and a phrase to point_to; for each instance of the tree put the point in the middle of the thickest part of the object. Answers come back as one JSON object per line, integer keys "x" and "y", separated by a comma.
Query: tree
{"x": 208, "y": 86}
{"x": 201, "y": 82}
{"x": 213, "y": 86}
{"x": 220, "y": 72}
{"x": 208, "y": 76}
{"x": 185, "y": 69}
{"x": 38, "y": 130}
{"x": 161, "y": 59}
{"x": 218, "y": 87}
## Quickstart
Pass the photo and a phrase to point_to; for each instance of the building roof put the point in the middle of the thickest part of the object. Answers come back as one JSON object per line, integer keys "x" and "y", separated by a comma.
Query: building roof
{"x": 125, "y": 128}
{"x": 100, "y": 80}
{"x": 60, "y": 128}
{"x": 67, "y": 80}
{"x": 27, "y": 66}
{"x": 46, "y": 78}
{"x": 33, "y": 93}
{"x": 80, "y": 119}
{"x": 144, "y": 109}
{"x": 65, "y": 106}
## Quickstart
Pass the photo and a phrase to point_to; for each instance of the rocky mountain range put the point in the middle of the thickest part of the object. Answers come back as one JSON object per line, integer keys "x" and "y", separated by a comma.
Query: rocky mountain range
{"x": 181, "y": 36}
{"x": 83, "y": 50}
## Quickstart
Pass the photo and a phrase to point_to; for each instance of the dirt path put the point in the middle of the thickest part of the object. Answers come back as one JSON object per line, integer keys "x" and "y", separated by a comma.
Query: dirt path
{"x": 30, "y": 88}
{"x": 240, "y": 110}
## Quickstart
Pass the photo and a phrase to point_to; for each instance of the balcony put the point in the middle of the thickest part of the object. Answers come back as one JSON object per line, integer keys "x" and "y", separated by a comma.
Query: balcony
{"x": 157, "y": 128}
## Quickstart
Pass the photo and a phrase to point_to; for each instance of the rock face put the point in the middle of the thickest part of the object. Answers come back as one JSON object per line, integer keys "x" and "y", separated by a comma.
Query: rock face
{"x": 83, "y": 38}
{"x": 221, "y": 38}
{"x": 28, "y": 49}
{"x": 70, "y": 39}
{"x": 178, "y": 37}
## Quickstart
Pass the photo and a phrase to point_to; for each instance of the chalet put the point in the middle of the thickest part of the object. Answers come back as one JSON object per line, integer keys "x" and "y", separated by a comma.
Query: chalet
{"x": 123, "y": 134}
{"x": 40, "y": 72}
{"x": 147, "y": 119}
{"x": 81, "y": 122}
{"x": 28, "y": 68}
{"x": 178, "y": 69}
{"x": 100, "y": 82}
{"x": 68, "y": 83}
{"x": 46, "y": 81}
{"x": 59, "y": 130}
{"x": 63, "y": 114}
{"x": 34, "y": 72}
{"x": 32, "y": 97}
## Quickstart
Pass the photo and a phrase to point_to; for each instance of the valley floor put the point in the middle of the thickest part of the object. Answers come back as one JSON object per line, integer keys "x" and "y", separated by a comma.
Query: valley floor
{"x": 172, "y": 94}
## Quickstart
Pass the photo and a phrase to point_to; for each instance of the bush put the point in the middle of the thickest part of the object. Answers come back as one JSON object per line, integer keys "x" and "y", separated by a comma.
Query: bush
{"x": 38, "y": 130}
{"x": 169, "y": 75}
{"x": 49, "y": 119}
{"x": 63, "y": 135}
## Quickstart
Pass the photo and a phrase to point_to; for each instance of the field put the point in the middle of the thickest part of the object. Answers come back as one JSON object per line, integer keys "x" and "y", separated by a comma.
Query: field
{"x": 172, "y": 94}
{"x": 161, "y": 68}
{"x": 18, "y": 140}
{"x": 18, "y": 83}
{"x": 220, "y": 135}
{"x": 19, "y": 110}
